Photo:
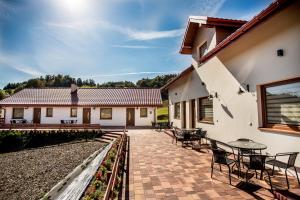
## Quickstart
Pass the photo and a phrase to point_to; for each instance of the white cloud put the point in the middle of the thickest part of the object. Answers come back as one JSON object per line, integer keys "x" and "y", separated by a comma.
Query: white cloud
{"x": 127, "y": 74}
{"x": 134, "y": 46}
{"x": 151, "y": 35}
{"x": 29, "y": 70}
{"x": 132, "y": 34}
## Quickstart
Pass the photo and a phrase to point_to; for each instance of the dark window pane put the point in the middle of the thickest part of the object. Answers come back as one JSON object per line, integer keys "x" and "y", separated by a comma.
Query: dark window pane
{"x": 206, "y": 110}
{"x": 18, "y": 113}
{"x": 73, "y": 112}
{"x": 143, "y": 112}
{"x": 49, "y": 112}
{"x": 177, "y": 110}
{"x": 105, "y": 113}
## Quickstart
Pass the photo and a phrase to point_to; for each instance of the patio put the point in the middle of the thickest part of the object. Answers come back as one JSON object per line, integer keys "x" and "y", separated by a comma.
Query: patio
{"x": 162, "y": 170}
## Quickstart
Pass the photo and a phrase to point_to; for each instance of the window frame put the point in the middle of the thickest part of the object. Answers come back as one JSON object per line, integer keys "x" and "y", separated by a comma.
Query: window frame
{"x": 71, "y": 114}
{"x": 200, "y": 47}
{"x": 110, "y": 114}
{"x": 47, "y": 114}
{"x": 143, "y": 116}
{"x": 204, "y": 120}
{"x": 175, "y": 116}
{"x": 13, "y": 113}
{"x": 275, "y": 127}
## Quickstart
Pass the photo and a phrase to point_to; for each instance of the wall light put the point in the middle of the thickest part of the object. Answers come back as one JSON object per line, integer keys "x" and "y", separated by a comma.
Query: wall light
{"x": 242, "y": 89}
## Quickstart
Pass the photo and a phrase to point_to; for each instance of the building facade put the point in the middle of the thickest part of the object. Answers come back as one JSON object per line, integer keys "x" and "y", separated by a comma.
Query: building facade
{"x": 106, "y": 107}
{"x": 246, "y": 84}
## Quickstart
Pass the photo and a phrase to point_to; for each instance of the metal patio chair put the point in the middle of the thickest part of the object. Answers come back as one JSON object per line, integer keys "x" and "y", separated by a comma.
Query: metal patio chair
{"x": 285, "y": 165}
{"x": 220, "y": 156}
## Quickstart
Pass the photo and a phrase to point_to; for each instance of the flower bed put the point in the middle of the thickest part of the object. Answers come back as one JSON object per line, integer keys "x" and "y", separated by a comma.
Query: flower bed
{"x": 107, "y": 182}
{"x": 14, "y": 140}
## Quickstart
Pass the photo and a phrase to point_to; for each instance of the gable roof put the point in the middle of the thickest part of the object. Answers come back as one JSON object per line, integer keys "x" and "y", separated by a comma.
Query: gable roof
{"x": 183, "y": 73}
{"x": 273, "y": 8}
{"x": 203, "y": 21}
{"x": 85, "y": 97}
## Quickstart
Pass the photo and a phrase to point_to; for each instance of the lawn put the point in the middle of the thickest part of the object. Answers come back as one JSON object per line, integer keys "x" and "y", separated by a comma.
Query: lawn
{"x": 163, "y": 113}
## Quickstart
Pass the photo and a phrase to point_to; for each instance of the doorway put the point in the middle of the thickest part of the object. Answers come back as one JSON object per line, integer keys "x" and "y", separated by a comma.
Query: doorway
{"x": 86, "y": 116}
{"x": 130, "y": 117}
{"x": 193, "y": 116}
{"x": 184, "y": 114}
{"x": 36, "y": 115}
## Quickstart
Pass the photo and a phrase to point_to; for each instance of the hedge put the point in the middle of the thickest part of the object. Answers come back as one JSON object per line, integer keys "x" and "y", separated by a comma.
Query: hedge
{"x": 14, "y": 140}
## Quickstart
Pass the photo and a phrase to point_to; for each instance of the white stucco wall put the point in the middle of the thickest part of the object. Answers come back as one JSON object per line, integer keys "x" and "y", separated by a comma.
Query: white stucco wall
{"x": 251, "y": 60}
{"x": 63, "y": 113}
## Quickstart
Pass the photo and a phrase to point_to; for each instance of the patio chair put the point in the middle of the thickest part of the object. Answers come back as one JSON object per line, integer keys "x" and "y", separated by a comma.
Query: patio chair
{"x": 285, "y": 165}
{"x": 246, "y": 152}
{"x": 257, "y": 162}
{"x": 177, "y": 136}
{"x": 220, "y": 156}
{"x": 170, "y": 125}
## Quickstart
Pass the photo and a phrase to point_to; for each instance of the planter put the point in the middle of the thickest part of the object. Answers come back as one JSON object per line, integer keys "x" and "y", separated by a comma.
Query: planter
{"x": 107, "y": 181}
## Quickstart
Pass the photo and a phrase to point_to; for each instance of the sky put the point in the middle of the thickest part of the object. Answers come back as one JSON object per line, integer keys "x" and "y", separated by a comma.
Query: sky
{"x": 106, "y": 40}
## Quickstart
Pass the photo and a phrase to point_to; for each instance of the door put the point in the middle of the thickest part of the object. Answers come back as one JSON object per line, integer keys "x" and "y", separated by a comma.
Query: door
{"x": 193, "y": 113}
{"x": 36, "y": 115}
{"x": 130, "y": 117}
{"x": 184, "y": 114}
{"x": 86, "y": 116}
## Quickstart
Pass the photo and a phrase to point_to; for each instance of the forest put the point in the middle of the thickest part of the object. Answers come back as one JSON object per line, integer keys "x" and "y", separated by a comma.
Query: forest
{"x": 59, "y": 80}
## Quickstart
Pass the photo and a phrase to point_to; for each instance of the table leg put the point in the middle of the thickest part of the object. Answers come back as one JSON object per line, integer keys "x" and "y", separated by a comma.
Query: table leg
{"x": 239, "y": 164}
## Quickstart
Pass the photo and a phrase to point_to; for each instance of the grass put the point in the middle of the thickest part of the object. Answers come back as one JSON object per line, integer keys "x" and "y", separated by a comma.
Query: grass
{"x": 163, "y": 113}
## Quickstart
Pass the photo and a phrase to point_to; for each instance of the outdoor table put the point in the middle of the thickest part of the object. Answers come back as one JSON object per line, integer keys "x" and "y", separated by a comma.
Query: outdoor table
{"x": 248, "y": 145}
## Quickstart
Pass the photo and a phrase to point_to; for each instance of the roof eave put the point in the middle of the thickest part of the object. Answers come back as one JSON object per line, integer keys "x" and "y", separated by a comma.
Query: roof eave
{"x": 262, "y": 16}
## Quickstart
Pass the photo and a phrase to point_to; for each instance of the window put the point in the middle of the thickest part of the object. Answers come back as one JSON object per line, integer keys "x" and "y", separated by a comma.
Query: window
{"x": 177, "y": 110}
{"x": 143, "y": 112}
{"x": 18, "y": 113}
{"x": 202, "y": 50}
{"x": 281, "y": 105}
{"x": 73, "y": 112}
{"x": 105, "y": 113}
{"x": 49, "y": 112}
{"x": 206, "y": 110}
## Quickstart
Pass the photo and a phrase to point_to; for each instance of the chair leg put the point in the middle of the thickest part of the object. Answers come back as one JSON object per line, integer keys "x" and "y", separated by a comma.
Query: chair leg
{"x": 287, "y": 180}
{"x": 220, "y": 168}
{"x": 229, "y": 174}
{"x": 297, "y": 175}
{"x": 273, "y": 169}
{"x": 270, "y": 181}
{"x": 212, "y": 169}
{"x": 247, "y": 176}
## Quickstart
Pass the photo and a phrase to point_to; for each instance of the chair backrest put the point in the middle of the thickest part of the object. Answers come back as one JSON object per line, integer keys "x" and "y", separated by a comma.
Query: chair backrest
{"x": 203, "y": 133}
{"x": 219, "y": 156}
{"x": 257, "y": 161}
{"x": 292, "y": 159}
{"x": 213, "y": 144}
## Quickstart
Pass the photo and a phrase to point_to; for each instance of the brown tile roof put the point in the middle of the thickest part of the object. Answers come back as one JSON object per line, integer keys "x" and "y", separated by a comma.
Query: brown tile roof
{"x": 85, "y": 97}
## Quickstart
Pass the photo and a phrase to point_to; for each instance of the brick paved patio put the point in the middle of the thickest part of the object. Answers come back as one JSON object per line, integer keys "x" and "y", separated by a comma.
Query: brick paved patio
{"x": 162, "y": 170}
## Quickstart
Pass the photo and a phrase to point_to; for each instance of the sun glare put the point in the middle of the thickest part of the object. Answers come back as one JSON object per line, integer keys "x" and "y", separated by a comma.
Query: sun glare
{"x": 75, "y": 6}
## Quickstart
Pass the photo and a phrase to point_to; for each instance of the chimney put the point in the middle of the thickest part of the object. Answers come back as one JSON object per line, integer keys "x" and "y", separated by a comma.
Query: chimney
{"x": 74, "y": 88}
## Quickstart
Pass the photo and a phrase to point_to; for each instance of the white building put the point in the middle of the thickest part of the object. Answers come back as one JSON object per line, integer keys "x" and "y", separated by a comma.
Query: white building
{"x": 244, "y": 81}
{"x": 105, "y": 107}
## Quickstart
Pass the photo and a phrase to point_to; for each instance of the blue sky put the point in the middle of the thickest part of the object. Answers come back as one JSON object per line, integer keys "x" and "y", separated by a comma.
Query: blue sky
{"x": 107, "y": 40}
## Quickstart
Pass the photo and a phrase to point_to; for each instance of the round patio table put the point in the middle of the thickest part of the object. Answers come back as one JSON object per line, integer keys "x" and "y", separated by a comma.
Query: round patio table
{"x": 249, "y": 145}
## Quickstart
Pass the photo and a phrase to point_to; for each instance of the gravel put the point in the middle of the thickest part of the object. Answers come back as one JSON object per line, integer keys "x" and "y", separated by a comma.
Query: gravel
{"x": 29, "y": 174}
